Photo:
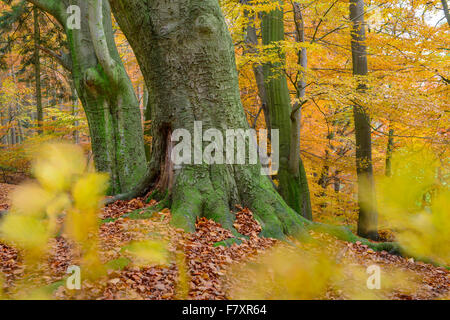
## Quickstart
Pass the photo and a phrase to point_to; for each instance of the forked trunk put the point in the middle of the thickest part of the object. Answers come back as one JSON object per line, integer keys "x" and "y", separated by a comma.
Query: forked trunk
{"x": 109, "y": 101}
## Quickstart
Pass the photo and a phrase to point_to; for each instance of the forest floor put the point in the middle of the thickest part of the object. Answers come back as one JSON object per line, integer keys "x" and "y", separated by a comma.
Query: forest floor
{"x": 5, "y": 190}
{"x": 208, "y": 266}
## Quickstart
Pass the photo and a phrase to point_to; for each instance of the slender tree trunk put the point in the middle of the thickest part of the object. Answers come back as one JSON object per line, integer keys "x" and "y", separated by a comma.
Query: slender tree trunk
{"x": 12, "y": 129}
{"x": 13, "y": 111}
{"x": 74, "y": 98}
{"x": 251, "y": 40}
{"x": 293, "y": 185}
{"x": 106, "y": 93}
{"x": 147, "y": 124}
{"x": 368, "y": 216}
{"x": 389, "y": 150}
{"x": 37, "y": 70}
{"x": 3, "y": 123}
{"x": 4, "y": 139}
{"x": 19, "y": 132}
{"x": 296, "y": 165}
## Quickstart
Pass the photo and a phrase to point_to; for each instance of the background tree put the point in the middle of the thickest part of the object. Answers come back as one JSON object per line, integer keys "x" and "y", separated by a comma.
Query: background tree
{"x": 368, "y": 216}
{"x": 274, "y": 92}
{"x": 106, "y": 92}
{"x": 37, "y": 69}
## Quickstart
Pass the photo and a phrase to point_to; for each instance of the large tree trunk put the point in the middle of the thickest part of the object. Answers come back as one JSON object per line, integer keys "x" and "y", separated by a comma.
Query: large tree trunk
{"x": 368, "y": 216}
{"x": 293, "y": 185}
{"x": 187, "y": 57}
{"x": 107, "y": 95}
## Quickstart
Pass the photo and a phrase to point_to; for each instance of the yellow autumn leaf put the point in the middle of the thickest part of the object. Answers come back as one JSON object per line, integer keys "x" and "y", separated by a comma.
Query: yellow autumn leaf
{"x": 89, "y": 190}
{"x": 28, "y": 232}
{"x": 56, "y": 166}
{"x": 30, "y": 199}
{"x": 148, "y": 252}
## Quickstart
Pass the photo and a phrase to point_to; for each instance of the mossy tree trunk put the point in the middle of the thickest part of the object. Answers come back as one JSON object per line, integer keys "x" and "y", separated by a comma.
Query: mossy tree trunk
{"x": 187, "y": 57}
{"x": 368, "y": 215}
{"x": 293, "y": 184}
{"x": 106, "y": 93}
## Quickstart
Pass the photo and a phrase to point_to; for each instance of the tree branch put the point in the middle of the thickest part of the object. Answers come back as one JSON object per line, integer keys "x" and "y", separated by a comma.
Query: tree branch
{"x": 63, "y": 58}
{"x": 54, "y": 7}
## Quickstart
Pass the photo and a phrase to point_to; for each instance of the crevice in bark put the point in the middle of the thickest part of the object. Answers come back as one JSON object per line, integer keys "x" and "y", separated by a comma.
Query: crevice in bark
{"x": 166, "y": 175}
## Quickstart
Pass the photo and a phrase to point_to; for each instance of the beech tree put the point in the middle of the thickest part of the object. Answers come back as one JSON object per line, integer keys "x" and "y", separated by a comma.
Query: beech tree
{"x": 187, "y": 58}
{"x": 368, "y": 216}
{"x": 293, "y": 184}
{"x": 104, "y": 88}
{"x": 279, "y": 113}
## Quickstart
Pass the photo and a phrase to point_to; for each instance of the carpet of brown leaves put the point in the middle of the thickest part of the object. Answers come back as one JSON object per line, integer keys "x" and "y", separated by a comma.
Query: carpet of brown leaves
{"x": 206, "y": 264}
{"x": 5, "y": 189}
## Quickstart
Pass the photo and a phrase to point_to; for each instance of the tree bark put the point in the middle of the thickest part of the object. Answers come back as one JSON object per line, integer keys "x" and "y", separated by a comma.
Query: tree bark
{"x": 368, "y": 216}
{"x": 446, "y": 13}
{"x": 3, "y": 136}
{"x": 106, "y": 93}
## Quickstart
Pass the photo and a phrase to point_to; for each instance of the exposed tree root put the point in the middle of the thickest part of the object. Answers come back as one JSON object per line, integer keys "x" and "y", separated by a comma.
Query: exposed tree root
{"x": 215, "y": 191}
{"x": 344, "y": 234}
{"x": 143, "y": 187}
